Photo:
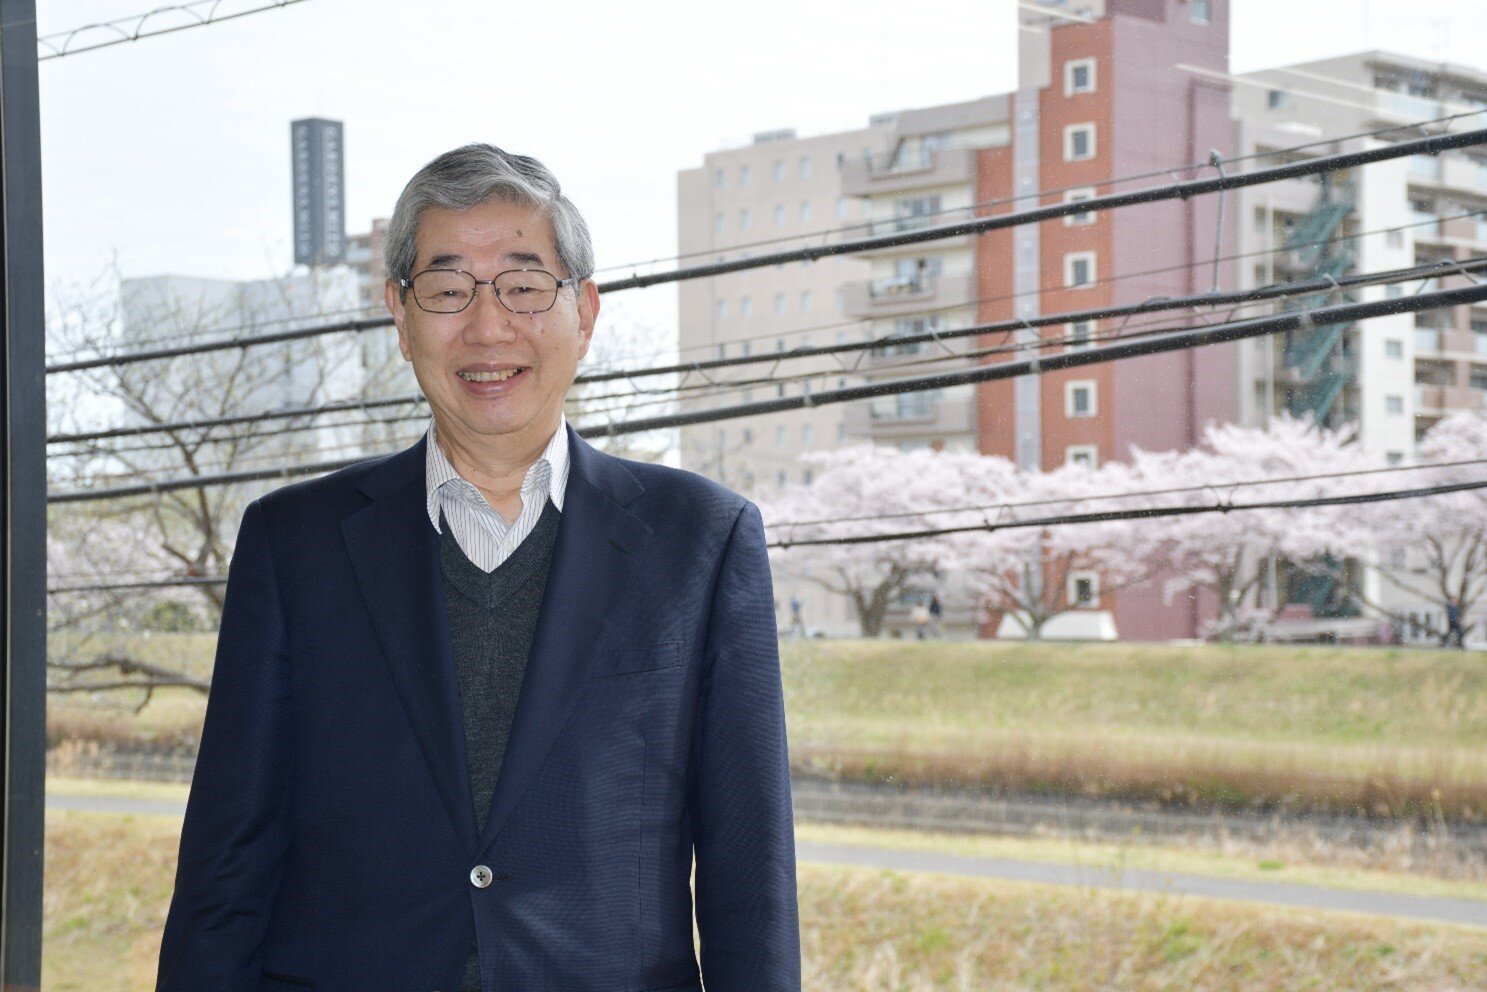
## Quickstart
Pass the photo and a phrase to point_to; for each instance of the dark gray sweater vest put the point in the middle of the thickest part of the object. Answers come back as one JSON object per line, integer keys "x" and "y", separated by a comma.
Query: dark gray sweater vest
{"x": 492, "y": 621}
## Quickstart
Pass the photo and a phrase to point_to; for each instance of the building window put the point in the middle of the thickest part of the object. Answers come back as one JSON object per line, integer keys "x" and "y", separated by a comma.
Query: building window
{"x": 1084, "y": 216}
{"x": 779, "y": 437}
{"x": 1080, "y": 335}
{"x": 1083, "y": 455}
{"x": 841, "y": 208}
{"x": 743, "y": 175}
{"x": 1084, "y": 589}
{"x": 745, "y": 307}
{"x": 1394, "y": 457}
{"x": 721, "y": 309}
{"x": 1200, "y": 11}
{"x": 745, "y": 219}
{"x": 743, "y": 348}
{"x": 720, "y": 176}
{"x": 779, "y": 171}
{"x": 841, "y": 159}
{"x": 1478, "y": 378}
{"x": 805, "y": 435}
{"x": 1079, "y": 142}
{"x": 779, "y": 303}
{"x": 781, "y": 478}
{"x": 718, "y": 223}
{"x": 779, "y": 215}
{"x": 1079, "y": 268}
{"x": 1393, "y": 348}
{"x": 1079, "y": 77}
{"x": 1079, "y": 398}
{"x": 1278, "y": 100}
{"x": 804, "y": 170}
{"x": 805, "y": 211}
{"x": 1394, "y": 405}
{"x": 805, "y": 301}
{"x": 1479, "y": 332}
{"x": 748, "y": 435}
{"x": 807, "y": 477}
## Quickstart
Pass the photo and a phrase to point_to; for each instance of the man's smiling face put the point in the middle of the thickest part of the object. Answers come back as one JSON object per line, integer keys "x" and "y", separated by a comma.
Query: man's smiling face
{"x": 491, "y": 375}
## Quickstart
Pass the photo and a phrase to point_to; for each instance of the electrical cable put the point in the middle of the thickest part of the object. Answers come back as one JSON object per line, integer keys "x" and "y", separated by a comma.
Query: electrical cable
{"x": 1040, "y": 522}
{"x": 1254, "y": 295}
{"x": 1182, "y": 190}
{"x": 1040, "y": 194}
{"x": 120, "y": 35}
{"x": 1182, "y": 340}
{"x": 1143, "y": 513}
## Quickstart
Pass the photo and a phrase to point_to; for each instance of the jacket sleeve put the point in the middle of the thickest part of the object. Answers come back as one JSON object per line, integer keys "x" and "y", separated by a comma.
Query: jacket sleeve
{"x": 235, "y": 833}
{"x": 743, "y": 827}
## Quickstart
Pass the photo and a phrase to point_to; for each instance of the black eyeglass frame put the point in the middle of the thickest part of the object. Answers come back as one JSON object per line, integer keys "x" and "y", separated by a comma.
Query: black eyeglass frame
{"x": 407, "y": 284}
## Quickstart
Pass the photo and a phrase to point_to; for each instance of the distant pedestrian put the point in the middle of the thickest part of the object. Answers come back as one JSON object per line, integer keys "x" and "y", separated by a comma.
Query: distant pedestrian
{"x": 797, "y": 617}
{"x": 936, "y": 611}
{"x": 920, "y": 616}
{"x": 1454, "y": 630}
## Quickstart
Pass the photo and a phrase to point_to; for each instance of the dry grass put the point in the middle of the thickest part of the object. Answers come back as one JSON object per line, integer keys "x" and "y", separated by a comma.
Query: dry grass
{"x": 864, "y": 930}
{"x": 108, "y": 882}
{"x": 1395, "y": 734}
{"x": 874, "y": 931}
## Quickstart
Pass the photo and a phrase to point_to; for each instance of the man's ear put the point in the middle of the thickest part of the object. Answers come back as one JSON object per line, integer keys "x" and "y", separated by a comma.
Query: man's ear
{"x": 588, "y": 312}
{"x": 392, "y": 295}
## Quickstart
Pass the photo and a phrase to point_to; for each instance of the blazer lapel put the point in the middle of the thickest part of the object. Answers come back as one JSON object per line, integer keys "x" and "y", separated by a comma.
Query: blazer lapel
{"x": 598, "y": 544}
{"x": 395, "y": 555}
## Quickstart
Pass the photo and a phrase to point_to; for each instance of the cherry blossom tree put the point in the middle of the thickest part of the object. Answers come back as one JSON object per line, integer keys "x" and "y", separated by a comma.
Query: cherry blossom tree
{"x": 1025, "y": 573}
{"x": 863, "y": 490}
{"x": 1232, "y": 556}
{"x": 1432, "y": 549}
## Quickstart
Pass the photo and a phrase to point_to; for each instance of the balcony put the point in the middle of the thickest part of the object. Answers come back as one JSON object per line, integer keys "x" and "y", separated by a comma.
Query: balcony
{"x": 940, "y": 418}
{"x": 1437, "y": 401}
{"x": 893, "y": 297}
{"x": 944, "y": 167}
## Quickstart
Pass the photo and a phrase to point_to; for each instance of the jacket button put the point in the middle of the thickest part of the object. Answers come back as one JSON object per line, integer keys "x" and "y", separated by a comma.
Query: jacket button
{"x": 480, "y": 876}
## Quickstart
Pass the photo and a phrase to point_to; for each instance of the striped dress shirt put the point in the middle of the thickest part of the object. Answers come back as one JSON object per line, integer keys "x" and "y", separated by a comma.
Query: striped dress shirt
{"x": 482, "y": 534}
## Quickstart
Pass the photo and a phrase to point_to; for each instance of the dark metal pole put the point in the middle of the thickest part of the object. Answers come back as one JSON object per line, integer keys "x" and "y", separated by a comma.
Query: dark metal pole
{"x": 22, "y": 502}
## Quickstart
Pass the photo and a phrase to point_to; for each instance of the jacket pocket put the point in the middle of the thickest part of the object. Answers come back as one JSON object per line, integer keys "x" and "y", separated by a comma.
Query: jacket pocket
{"x": 638, "y": 660}
{"x": 270, "y": 981}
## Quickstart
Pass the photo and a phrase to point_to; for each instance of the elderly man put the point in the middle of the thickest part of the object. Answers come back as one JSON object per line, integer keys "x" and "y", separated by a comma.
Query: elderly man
{"x": 479, "y": 706}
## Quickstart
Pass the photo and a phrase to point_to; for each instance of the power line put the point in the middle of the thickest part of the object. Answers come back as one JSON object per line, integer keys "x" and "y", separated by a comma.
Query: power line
{"x": 1170, "y": 172}
{"x": 1182, "y": 190}
{"x": 1177, "y": 341}
{"x": 1102, "y": 497}
{"x": 1144, "y": 513}
{"x": 983, "y": 225}
{"x": 1049, "y": 521}
{"x": 118, "y": 32}
{"x": 1242, "y": 297}
{"x": 1181, "y": 340}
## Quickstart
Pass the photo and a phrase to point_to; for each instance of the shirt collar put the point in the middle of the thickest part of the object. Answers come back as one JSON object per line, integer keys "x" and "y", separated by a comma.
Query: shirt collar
{"x": 439, "y": 472}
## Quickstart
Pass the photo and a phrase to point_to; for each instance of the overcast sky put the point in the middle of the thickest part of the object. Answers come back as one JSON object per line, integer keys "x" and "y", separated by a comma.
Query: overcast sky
{"x": 171, "y": 155}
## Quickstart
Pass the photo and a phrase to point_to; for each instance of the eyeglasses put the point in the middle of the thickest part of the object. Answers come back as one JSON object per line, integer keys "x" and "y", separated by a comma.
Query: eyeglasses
{"x": 518, "y": 290}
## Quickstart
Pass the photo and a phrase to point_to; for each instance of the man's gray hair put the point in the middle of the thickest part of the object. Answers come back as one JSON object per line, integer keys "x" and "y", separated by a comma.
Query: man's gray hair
{"x": 474, "y": 174}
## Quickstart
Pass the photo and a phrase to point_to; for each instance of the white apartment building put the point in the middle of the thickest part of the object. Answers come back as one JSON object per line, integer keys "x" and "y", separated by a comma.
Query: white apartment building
{"x": 1394, "y": 377}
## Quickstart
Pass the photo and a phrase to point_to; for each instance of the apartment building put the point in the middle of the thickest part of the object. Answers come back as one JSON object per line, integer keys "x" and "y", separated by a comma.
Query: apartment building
{"x": 1098, "y": 95}
{"x": 1394, "y": 377}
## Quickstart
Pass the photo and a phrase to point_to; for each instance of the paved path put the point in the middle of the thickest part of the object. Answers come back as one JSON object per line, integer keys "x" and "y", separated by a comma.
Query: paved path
{"x": 1435, "y": 909}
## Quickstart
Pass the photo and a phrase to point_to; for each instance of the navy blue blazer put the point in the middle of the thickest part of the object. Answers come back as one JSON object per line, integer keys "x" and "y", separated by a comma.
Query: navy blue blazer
{"x": 330, "y": 837}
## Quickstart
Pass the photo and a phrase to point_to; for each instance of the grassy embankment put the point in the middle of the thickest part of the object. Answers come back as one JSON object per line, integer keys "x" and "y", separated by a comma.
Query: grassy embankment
{"x": 1393, "y": 733}
{"x": 864, "y": 930}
